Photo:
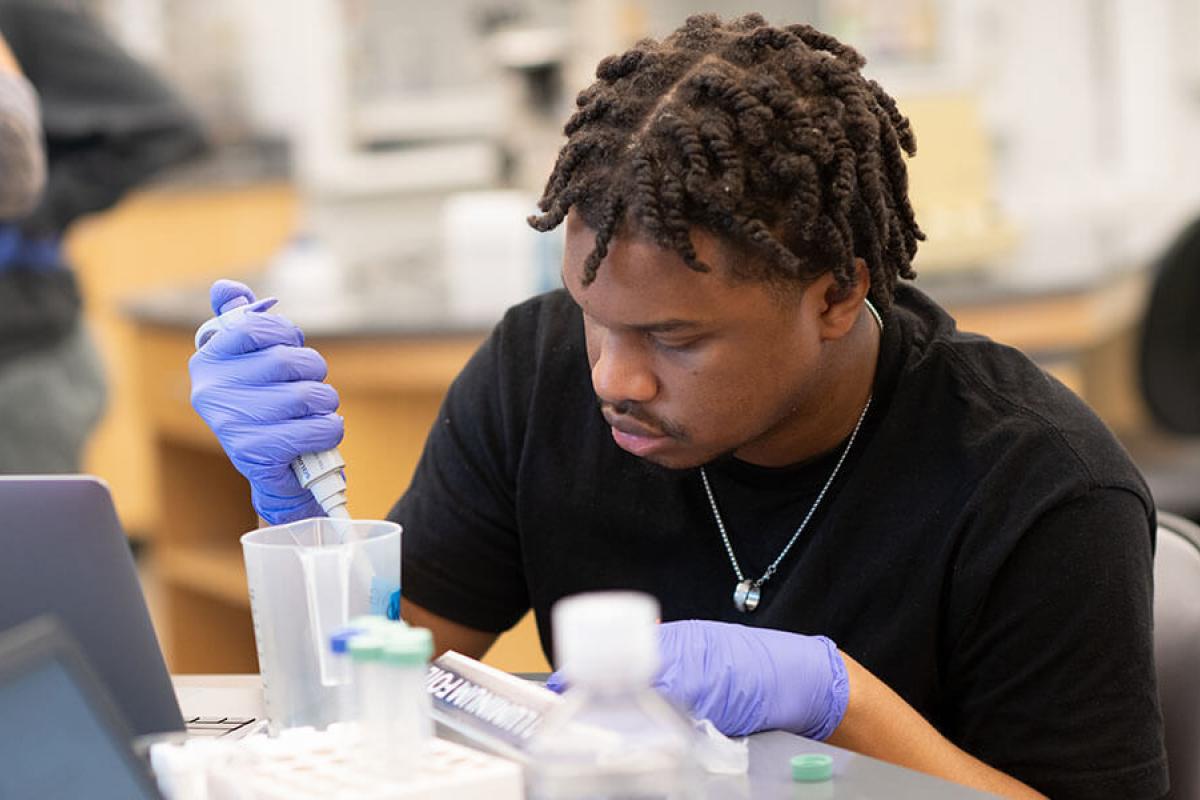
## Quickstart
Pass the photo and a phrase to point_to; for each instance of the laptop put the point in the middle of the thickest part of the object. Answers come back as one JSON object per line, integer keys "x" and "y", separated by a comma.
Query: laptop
{"x": 60, "y": 732}
{"x": 63, "y": 552}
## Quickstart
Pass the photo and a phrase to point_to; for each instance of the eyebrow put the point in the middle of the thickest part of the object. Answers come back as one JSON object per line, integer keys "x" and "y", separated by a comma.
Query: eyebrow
{"x": 663, "y": 326}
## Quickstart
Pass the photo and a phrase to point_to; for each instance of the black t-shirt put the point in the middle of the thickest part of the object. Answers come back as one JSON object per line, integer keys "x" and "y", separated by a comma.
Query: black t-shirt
{"x": 986, "y": 549}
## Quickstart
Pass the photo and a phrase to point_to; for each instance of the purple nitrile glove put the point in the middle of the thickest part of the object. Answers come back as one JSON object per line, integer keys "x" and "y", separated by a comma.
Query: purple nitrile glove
{"x": 261, "y": 392}
{"x": 748, "y": 679}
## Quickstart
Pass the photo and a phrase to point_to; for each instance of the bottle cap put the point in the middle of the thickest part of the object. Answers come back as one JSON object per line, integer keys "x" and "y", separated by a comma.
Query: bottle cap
{"x": 606, "y": 637}
{"x": 811, "y": 767}
{"x": 408, "y": 647}
{"x": 366, "y": 647}
{"x": 339, "y": 642}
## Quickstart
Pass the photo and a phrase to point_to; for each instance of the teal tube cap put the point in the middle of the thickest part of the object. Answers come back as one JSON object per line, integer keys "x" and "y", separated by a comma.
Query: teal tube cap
{"x": 811, "y": 767}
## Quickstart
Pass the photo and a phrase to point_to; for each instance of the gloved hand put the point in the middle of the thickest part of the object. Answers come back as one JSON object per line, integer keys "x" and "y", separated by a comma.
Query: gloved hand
{"x": 261, "y": 392}
{"x": 748, "y": 679}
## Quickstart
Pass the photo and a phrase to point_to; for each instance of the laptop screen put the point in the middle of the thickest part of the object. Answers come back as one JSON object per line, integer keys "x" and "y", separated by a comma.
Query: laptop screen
{"x": 65, "y": 554}
{"x": 59, "y": 734}
{"x": 52, "y": 745}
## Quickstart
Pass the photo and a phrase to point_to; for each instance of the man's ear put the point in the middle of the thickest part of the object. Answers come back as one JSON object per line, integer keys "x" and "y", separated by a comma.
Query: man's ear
{"x": 840, "y": 306}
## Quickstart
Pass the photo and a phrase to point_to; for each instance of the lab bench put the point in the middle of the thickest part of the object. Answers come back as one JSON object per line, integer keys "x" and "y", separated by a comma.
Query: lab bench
{"x": 768, "y": 777}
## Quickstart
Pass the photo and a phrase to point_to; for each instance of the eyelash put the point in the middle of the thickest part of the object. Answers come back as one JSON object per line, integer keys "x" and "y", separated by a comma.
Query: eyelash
{"x": 681, "y": 347}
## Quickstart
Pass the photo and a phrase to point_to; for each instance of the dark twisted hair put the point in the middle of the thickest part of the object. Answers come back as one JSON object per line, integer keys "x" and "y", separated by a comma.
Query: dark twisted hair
{"x": 770, "y": 137}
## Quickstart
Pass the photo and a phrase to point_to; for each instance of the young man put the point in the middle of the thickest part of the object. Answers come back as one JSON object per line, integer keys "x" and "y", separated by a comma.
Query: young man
{"x": 735, "y": 407}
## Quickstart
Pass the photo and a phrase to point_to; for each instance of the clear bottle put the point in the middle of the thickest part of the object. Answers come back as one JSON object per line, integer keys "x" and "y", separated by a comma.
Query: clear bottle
{"x": 614, "y": 736}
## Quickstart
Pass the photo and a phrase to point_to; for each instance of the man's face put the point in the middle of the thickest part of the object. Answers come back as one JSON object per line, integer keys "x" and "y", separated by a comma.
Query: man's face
{"x": 692, "y": 366}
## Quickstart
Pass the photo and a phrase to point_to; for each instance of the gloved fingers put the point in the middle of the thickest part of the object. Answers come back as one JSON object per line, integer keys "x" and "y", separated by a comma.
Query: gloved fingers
{"x": 706, "y": 671}
{"x": 224, "y": 291}
{"x": 281, "y": 510}
{"x": 275, "y": 484}
{"x": 280, "y": 443}
{"x": 275, "y": 364}
{"x": 253, "y": 331}
{"x": 746, "y": 679}
{"x": 279, "y": 363}
{"x": 228, "y": 410}
{"x": 683, "y": 650}
{"x": 681, "y": 691}
{"x": 276, "y": 494}
{"x": 677, "y": 691}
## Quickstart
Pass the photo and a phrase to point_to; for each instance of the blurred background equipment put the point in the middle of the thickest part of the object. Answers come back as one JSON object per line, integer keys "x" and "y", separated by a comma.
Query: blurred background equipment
{"x": 22, "y": 154}
{"x": 109, "y": 123}
{"x": 374, "y": 162}
{"x": 1168, "y": 374}
{"x": 1169, "y": 352}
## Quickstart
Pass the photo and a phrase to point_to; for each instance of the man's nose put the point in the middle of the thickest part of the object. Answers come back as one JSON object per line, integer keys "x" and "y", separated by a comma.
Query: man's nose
{"x": 621, "y": 372}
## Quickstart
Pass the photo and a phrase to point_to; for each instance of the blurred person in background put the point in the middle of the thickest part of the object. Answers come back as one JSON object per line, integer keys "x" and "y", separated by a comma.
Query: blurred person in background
{"x": 863, "y": 525}
{"x": 22, "y": 156}
{"x": 109, "y": 123}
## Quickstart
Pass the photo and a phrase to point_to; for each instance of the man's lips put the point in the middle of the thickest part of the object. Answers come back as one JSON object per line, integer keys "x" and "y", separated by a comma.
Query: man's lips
{"x": 631, "y": 427}
{"x": 634, "y": 437}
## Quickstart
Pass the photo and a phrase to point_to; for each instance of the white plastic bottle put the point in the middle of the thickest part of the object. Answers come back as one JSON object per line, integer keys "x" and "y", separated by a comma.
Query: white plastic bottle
{"x": 614, "y": 736}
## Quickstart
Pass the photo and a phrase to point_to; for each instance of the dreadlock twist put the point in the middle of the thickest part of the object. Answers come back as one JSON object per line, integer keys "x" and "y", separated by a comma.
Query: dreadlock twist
{"x": 771, "y": 137}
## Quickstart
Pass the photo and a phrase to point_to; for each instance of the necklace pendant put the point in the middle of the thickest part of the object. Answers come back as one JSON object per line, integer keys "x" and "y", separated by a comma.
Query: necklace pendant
{"x": 746, "y": 596}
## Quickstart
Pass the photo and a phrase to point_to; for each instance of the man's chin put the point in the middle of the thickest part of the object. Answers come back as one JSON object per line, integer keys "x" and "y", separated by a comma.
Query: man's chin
{"x": 684, "y": 461}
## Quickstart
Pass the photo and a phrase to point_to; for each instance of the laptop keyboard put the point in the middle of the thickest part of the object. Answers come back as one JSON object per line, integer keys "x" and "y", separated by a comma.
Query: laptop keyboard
{"x": 216, "y": 726}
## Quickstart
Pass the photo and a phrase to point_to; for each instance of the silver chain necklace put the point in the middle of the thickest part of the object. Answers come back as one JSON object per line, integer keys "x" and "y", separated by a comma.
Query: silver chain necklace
{"x": 747, "y": 592}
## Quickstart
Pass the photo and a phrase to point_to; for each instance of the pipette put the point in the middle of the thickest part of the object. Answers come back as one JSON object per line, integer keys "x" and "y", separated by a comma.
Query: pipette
{"x": 320, "y": 473}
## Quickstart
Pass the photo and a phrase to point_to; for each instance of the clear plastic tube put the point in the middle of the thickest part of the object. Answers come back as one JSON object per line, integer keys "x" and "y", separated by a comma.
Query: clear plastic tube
{"x": 372, "y": 697}
{"x": 406, "y": 654}
{"x": 390, "y": 661}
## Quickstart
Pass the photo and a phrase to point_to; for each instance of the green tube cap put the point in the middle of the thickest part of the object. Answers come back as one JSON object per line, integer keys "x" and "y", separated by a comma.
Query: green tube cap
{"x": 366, "y": 647}
{"x": 408, "y": 647}
{"x": 811, "y": 767}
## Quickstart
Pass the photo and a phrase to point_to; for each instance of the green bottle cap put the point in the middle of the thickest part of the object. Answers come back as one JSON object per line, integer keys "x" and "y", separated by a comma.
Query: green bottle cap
{"x": 366, "y": 647}
{"x": 408, "y": 647}
{"x": 811, "y": 767}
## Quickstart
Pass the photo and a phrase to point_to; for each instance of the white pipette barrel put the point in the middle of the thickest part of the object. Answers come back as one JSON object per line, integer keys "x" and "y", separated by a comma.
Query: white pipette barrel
{"x": 320, "y": 473}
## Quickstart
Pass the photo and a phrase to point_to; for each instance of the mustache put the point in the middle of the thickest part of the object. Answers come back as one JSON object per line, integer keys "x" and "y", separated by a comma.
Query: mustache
{"x": 631, "y": 410}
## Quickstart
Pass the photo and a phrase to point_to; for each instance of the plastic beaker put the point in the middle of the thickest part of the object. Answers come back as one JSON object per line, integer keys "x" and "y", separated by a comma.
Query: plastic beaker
{"x": 307, "y": 579}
